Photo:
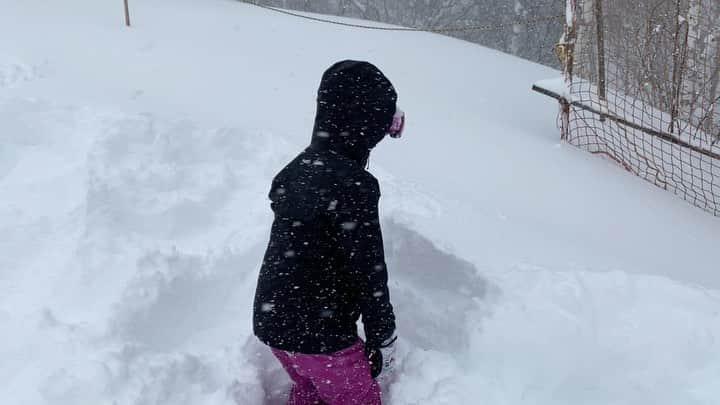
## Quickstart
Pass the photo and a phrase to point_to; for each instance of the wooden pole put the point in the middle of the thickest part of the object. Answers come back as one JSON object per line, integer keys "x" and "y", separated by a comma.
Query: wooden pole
{"x": 127, "y": 13}
{"x": 569, "y": 40}
{"x": 674, "y": 109}
{"x": 602, "y": 79}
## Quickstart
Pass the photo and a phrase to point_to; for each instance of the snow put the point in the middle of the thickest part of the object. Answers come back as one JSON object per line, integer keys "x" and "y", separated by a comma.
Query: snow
{"x": 558, "y": 86}
{"x": 134, "y": 172}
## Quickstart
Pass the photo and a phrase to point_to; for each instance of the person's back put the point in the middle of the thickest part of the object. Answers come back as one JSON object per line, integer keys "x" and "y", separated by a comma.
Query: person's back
{"x": 324, "y": 267}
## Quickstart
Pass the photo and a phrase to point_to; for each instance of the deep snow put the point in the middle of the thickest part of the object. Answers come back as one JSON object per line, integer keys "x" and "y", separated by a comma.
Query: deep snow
{"x": 133, "y": 173}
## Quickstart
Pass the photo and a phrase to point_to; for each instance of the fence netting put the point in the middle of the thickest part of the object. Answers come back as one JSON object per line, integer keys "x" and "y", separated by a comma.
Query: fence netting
{"x": 643, "y": 81}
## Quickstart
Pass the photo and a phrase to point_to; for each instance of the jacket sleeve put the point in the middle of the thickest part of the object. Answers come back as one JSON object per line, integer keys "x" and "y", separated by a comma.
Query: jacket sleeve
{"x": 362, "y": 242}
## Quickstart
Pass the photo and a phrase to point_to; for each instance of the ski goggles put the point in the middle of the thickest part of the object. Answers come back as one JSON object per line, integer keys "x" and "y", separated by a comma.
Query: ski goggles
{"x": 398, "y": 124}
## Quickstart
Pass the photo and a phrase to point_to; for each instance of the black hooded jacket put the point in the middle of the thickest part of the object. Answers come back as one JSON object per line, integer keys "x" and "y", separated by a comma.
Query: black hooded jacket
{"x": 324, "y": 266}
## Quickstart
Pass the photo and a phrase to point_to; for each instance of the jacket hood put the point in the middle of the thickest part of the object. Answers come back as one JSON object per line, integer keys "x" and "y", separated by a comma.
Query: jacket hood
{"x": 355, "y": 108}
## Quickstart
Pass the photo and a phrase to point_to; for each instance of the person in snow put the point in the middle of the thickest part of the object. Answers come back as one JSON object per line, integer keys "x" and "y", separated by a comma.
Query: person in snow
{"x": 324, "y": 266}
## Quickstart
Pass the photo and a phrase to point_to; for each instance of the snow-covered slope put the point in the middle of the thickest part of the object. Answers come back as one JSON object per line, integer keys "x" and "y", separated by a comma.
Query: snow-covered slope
{"x": 133, "y": 172}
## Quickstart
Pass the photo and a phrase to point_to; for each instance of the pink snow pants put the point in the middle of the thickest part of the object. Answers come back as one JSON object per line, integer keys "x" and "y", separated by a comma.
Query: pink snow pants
{"x": 340, "y": 378}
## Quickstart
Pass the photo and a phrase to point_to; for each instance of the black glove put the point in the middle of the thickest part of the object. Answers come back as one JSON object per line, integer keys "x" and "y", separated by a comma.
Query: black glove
{"x": 375, "y": 357}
